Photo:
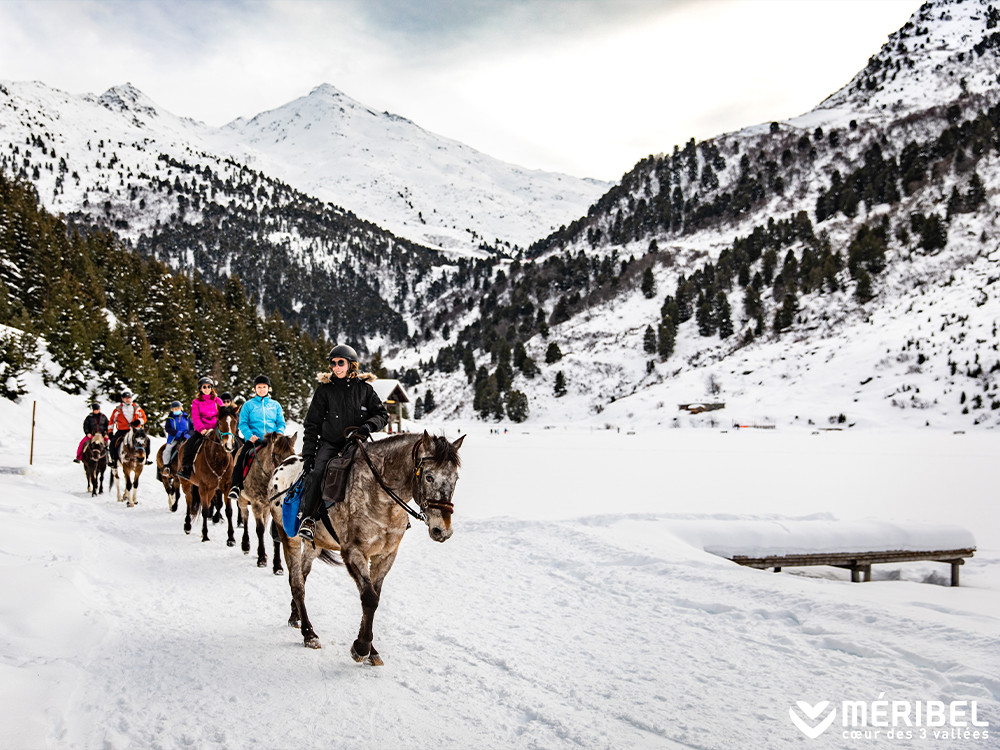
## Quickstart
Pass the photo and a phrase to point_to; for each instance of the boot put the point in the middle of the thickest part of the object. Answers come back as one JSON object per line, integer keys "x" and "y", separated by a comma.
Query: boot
{"x": 307, "y": 531}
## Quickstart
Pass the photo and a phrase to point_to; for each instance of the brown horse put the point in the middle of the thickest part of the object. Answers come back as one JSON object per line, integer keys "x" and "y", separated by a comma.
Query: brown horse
{"x": 210, "y": 474}
{"x": 369, "y": 523}
{"x": 271, "y": 451}
{"x": 171, "y": 484}
{"x": 131, "y": 460}
{"x": 95, "y": 462}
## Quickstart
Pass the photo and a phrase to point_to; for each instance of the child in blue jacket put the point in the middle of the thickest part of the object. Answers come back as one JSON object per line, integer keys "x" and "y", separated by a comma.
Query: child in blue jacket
{"x": 178, "y": 427}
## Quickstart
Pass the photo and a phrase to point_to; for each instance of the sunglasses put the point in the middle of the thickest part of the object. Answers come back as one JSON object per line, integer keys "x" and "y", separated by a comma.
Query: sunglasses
{"x": 338, "y": 362}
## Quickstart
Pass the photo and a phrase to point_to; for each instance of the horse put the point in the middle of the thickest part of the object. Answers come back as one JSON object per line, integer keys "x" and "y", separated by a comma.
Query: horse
{"x": 95, "y": 463}
{"x": 210, "y": 474}
{"x": 131, "y": 460}
{"x": 369, "y": 523}
{"x": 270, "y": 452}
{"x": 171, "y": 484}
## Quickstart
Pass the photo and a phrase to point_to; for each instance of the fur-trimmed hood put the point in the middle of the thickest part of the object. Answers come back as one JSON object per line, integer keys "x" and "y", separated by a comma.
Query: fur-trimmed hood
{"x": 326, "y": 377}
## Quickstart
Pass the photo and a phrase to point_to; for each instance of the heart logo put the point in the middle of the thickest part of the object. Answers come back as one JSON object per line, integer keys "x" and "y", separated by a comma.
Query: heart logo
{"x": 812, "y": 712}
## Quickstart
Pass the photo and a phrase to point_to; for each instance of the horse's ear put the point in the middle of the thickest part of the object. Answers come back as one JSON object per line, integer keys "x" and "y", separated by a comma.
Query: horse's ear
{"x": 293, "y": 438}
{"x": 427, "y": 440}
{"x": 136, "y": 423}
{"x": 458, "y": 443}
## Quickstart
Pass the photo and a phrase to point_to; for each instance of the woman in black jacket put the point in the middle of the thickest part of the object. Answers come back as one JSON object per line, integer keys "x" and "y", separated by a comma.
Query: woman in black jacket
{"x": 344, "y": 405}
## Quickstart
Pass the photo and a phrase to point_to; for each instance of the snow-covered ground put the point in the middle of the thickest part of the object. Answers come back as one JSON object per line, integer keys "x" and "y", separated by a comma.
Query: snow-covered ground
{"x": 575, "y": 605}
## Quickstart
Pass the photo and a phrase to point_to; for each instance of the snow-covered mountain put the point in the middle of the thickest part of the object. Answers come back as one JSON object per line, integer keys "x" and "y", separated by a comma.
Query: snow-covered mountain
{"x": 784, "y": 208}
{"x": 384, "y": 168}
{"x": 418, "y": 185}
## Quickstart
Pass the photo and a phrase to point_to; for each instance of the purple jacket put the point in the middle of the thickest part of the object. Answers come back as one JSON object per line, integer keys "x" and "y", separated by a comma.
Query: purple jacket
{"x": 205, "y": 412}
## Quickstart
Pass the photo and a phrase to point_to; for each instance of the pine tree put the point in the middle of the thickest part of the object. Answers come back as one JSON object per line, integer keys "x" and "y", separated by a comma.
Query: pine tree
{"x": 560, "y": 386}
{"x": 649, "y": 340}
{"x": 648, "y": 284}
{"x": 705, "y": 317}
{"x": 517, "y": 406}
{"x": 429, "y": 404}
{"x": 723, "y": 315}
{"x": 667, "y": 336}
{"x": 553, "y": 354}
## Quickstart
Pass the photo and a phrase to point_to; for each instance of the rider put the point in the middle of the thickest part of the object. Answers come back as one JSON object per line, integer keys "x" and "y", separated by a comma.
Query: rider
{"x": 227, "y": 400}
{"x": 258, "y": 416}
{"x": 93, "y": 423}
{"x": 204, "y": 417}
{"x": 178, "y": 428}
{"x": 344, "y": 405}
{"x": 121, "y": 422}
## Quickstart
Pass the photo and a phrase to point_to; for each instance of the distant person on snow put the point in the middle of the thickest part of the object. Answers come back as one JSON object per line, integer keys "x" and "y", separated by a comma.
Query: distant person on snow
{"x": 258, "y": 417}
{"x": 121, "y": 422}
{"x": 344, "y": 405}
{"x": 93, "y": 423}
{"x": 204, "y": 417}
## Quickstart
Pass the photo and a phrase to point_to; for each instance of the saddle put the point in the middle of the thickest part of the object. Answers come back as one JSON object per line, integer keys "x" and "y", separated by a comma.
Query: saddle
{"x": 335, "y": 475}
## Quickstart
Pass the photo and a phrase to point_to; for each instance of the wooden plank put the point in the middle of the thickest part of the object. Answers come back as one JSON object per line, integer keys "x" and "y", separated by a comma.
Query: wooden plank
{"x": 860, "y": 563}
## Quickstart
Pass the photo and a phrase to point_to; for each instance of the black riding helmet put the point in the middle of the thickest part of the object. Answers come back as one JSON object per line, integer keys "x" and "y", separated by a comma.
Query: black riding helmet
{"x": 342, "y": 350}
{"x": 226, "y": 396}
{"x": 206, "y": 381}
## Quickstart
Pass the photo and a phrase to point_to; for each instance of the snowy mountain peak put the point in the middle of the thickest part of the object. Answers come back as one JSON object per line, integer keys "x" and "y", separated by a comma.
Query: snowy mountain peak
{"x": 127, "y": 98}
{"x": 417, "y": 184}
{"x": 949, "y": 49}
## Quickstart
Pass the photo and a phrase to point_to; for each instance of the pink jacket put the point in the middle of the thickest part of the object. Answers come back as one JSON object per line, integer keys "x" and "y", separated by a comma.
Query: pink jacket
{"x": 205, "y": 412}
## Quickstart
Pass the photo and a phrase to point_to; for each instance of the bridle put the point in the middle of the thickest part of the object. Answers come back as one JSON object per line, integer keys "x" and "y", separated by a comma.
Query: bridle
{"x": 223, "y": 435}
{"x": 418, "y": 491}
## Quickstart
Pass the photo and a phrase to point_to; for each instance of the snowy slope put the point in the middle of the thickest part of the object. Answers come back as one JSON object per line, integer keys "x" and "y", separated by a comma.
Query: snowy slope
{"x": 568, "y": 611}
{"x": 418, "y": 185}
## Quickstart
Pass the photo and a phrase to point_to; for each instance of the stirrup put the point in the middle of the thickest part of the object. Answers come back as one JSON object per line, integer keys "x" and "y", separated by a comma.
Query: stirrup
{"x": 234, "y": 493}
{"x": 307, "y": 530}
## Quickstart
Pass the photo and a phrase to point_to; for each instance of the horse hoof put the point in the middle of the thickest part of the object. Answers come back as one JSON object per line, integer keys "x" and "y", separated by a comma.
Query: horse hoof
{"x": 294, "y": 624}
{"x": 356, "y": 656}
{"x": 279, "y": 571}
{"x": 374, "y": 660}
{"x": 312, "y": 643}
{"x": 262, "y": 563}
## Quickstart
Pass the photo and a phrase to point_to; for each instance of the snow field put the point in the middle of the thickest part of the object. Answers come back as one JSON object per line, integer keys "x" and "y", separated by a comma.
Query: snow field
{"x": 567, "y": 611}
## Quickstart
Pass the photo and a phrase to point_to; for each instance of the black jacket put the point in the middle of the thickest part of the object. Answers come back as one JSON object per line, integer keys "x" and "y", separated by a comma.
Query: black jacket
{"x": 336, "y": 405}
{"x": 94, "y": 423}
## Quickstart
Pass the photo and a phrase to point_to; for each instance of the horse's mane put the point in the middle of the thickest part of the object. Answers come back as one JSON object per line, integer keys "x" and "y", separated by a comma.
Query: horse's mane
{"x": 279, "y": 439}
{"x": 441, "y": 450}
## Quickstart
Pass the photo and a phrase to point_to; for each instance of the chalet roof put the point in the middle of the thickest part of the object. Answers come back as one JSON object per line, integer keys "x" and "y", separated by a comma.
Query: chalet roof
{"x": 389, "y": 389}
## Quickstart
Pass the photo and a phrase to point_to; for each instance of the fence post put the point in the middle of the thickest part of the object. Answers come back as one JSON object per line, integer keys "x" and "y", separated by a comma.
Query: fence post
{"x": 31, "y": 455}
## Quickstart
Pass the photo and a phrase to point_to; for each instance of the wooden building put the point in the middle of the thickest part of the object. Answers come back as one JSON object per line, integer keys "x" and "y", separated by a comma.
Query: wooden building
{"x": 393, "y": 396}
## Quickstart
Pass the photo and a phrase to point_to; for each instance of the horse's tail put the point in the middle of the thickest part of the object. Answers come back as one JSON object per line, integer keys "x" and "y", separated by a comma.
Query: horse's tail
{"x": 330, "y": 558}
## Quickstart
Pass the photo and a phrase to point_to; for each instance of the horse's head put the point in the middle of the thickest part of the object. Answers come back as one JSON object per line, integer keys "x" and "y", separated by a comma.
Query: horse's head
{"x": 436, "y": 473}
{"x": 137, "y": 439}
{"x": 226, "y": 425}
{"x": 97, "y": 448}
{"x": 280, "y": 447}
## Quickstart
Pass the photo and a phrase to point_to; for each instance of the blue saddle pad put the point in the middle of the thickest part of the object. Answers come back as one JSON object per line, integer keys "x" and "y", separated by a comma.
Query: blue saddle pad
{"x": 290, "y": 518}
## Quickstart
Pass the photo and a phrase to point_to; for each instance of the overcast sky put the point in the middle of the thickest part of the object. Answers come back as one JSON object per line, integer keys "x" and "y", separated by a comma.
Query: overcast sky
{"x": 586, "y": 87}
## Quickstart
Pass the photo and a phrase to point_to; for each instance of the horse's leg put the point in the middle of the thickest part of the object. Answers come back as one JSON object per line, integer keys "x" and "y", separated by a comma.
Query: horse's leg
{"x": 135, "y": 488}
{"x": 206, "y": 512}
{"x": 261, "y": 550}
{"x": 276, "y": 567}
{"x": 299, "y": 565}
{"x": 245, "y": 541}
{"x": 380, "y": 567}
{"x": 193, "y": 502}
{"x": 231, "y": 537}
{"x": 216, "y": 508}
{"x": 116, "y": 480}
{"x": 358, "y": 567}
{"x": 128, "y": 488}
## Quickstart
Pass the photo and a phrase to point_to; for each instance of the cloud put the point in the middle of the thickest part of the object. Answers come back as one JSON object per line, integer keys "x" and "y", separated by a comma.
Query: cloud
{"x": 584, "y": 86}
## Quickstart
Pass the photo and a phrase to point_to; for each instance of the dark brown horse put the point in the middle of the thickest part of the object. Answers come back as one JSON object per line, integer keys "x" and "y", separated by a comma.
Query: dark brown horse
{"x": 369, "y": 523}
{"x": 271, "y": 451}
{"x": 95, "y": 463}
{"x": 171, "y": 484}
{"x": 131, "y": 460}
{"x": 210, "y": 474}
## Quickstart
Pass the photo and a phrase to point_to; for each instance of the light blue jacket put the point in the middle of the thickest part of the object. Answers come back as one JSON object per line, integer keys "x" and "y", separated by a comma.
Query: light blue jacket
{"x": 259, "y": 416}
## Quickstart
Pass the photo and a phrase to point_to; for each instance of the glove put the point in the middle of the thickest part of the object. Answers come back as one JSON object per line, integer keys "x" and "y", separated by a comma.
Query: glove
{"x": 308, "y": 465}
{"x": 362, "y": 433}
